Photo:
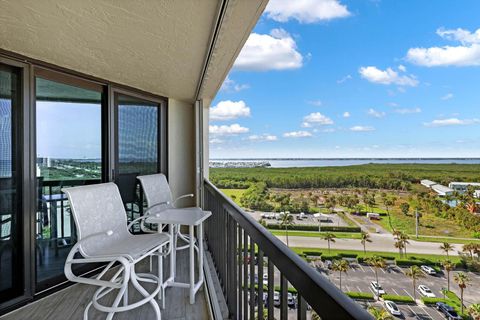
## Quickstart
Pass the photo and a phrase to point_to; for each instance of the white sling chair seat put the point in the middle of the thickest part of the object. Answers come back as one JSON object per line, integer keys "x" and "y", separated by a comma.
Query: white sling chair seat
{"x": 103, "y": 236}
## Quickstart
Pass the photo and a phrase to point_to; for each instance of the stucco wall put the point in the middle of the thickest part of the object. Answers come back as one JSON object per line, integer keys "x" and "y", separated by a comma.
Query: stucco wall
{"x": 181, "y": 149}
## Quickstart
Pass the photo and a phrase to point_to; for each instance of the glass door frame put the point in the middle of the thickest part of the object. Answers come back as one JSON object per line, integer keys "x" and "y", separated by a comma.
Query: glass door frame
{"x": 46, "y": 286}
{"x": 25, "y": 182}
{"x": 162, "y": 133}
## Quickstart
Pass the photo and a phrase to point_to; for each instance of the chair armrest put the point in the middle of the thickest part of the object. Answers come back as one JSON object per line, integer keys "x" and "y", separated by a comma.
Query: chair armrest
{"x": 190, "y": 195}
{"x": 141, "y": 218}
{"x": 156, "y": 205}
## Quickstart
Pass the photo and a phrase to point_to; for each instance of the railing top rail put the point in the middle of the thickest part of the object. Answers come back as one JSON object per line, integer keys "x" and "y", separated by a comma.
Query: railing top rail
{"x": 320, "y": 293}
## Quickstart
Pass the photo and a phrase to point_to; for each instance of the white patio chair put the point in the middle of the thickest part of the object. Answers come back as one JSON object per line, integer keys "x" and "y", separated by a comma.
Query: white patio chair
{"x": 103, "y": 236}
{"x": 159, "y": 197}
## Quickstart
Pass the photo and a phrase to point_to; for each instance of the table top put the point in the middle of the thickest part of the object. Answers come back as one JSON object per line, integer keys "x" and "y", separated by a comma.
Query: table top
{"x": 183, "y": 216}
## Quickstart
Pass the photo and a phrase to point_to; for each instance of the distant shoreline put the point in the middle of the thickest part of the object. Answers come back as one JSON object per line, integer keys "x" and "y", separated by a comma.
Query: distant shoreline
{"x": 336, "y": 159}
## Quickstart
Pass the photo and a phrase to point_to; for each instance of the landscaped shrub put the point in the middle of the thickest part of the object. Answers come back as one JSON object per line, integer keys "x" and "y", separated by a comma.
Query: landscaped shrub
{"x": 417, "y": 262}
{"x": 330, "y": 257}
{"x": 360, "y": 295}
{"x": 427, "y": 300}
{"x": 386, "y": 257}
{"x": 348, "y": 255}
{"x": 313, "y": 227}
{"x": 396, "y": 298}
{"x": 290, "y": 289}
{"x": 312, "y": 253}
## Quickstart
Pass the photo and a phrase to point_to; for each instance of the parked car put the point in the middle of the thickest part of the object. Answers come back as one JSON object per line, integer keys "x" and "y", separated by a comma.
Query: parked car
{"x": 328, "y": 264}
{"x": 428, "y": 270}
{"x": 276, "y": 299}
{"x": 392, "y": 308}
{"x": 448, "y": 311}
{"x": 424, "y": 290}
{"x": 377, "y": 288}
{"x": 265, "y": 279}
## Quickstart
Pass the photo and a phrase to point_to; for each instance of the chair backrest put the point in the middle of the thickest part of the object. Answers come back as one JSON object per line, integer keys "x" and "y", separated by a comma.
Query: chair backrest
{"x": 97, "y": 208}
{"x": 156, "y": 188}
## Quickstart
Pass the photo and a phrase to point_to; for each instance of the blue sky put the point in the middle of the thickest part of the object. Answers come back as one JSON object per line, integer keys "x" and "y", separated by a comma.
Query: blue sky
{"x": 338, "y": 78}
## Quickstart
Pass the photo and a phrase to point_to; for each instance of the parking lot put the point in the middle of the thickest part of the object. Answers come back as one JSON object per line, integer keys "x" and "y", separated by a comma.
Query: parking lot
{"x": 394, "y": 281}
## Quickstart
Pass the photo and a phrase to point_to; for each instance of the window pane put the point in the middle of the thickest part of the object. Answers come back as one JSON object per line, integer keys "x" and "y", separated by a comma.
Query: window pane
{"x": 137, "y": 136}
{"x": 69, "y": 152}
{"x": 10, "y": 235}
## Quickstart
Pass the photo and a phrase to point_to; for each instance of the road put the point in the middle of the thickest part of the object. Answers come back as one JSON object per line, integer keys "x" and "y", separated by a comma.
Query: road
{"x": 380, "y": 242}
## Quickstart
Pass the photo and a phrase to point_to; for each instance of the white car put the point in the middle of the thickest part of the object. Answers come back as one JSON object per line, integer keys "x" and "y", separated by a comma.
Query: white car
{"x": 424, "y": 290}
{"x": 276, "y": 298}
{"x": 265, "y": 279}
{"x": 377, "y": 289}
{"x": 392, "y": 308}
{"x": 428, "y": 270}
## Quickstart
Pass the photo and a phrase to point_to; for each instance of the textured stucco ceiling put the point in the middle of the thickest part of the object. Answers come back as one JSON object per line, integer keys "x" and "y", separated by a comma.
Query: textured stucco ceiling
{"x": 153, "y": 45}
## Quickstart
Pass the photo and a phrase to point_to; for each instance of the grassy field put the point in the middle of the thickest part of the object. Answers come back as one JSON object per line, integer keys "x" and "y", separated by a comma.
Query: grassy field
{"x": 342, "y": 235}
{"x": 360, "y": 253}
{"x": 234, "y": 194}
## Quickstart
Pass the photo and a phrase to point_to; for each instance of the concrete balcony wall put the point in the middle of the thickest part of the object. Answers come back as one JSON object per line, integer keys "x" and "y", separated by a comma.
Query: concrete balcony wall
{"x": 181, "y": 149}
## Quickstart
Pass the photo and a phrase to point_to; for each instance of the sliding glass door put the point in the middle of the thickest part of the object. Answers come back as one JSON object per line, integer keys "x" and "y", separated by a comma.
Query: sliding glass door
{"x": 69, "y": 153}
{"x": 11, "y": 219}
{"x": 138, "y": 129}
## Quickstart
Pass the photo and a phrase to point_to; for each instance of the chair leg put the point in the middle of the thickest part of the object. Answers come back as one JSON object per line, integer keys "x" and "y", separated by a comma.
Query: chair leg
{"x": 143, "y": 292}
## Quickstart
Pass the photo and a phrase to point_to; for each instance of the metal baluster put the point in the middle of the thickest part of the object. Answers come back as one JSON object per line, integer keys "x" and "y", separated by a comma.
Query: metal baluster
{"x": 301, "y": 308}
{"x": 260, "y": 284}
{"x": 233, "y": 263}
{"x": 283, "y": 297}
{"x": 252, "y": 279}
{"x": 245, "y": 274}
{"x": 271, "y": 287}
{"x": 239, "y": 256}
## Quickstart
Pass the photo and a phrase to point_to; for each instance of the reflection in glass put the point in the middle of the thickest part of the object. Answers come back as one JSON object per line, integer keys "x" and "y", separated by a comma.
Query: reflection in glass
{"x": 10, "y": 236}
{"x": 69, "y": 153}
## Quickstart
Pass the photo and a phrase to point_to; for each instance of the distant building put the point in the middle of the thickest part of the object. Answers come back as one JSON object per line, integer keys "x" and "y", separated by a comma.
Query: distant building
{"x": 462, "y": 186}
{"x": 442, "y": 190}
{"x": 427, "y": 183}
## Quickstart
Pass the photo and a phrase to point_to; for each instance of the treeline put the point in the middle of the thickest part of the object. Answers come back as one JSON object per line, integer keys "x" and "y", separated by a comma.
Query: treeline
{"x": 372, "y": 176}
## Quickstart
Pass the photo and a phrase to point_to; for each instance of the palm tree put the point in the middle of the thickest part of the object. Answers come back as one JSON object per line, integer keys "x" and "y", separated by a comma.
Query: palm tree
{"x": 404, "y": 239}
{"x": 315, "y": 316}
{"x": 414, "y": 273}
{"x": 474, "y": 311}
{"x": 446, "y": 247}
{"x": 286, "y": 220}
{"x": 330, "y": 237}
{"x": 400, "y": 246}
{"x": 340, "y": 266}
{"x": 380, "y": 314}
{"x": 448, "y": 266}
{"x": 462, "y": 280}
{"x": 365, "y": 238}
{"x": 377, "y": 263}
{"x": 388, "y": 203}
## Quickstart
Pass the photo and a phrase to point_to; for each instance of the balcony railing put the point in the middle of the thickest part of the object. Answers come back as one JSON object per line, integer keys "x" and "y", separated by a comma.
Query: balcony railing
{"x": 241, "y": 248}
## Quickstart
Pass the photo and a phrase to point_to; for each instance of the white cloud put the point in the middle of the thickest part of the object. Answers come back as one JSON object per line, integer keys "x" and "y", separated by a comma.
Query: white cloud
{"x": 316, "y": 118}
{"x": 362, "y": 128}
{"x": 225, "y": 130}
{"x": 262, "y": 52}
{"x": 263, "y": 137}
{"x": 402, "y": 68}
{"x": 297, "y": 134}
{"x": 229, "y": 110}
{"x": 388, "y": 76}
{"x": 465, "y": 54}
{"x": 216, "y": 141}
{"x": 375, "y": 113}
{"x": 451, "y": 122}
{"x": 448, "y": 96}
{"x": 306, "y": 11}
{"x": 344, "y": 79}
{"x": 407, "y": 111}
{"x": 346, "y": 114}
{"x": 229, "y": 85}
{"x": 316, "y": 103}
